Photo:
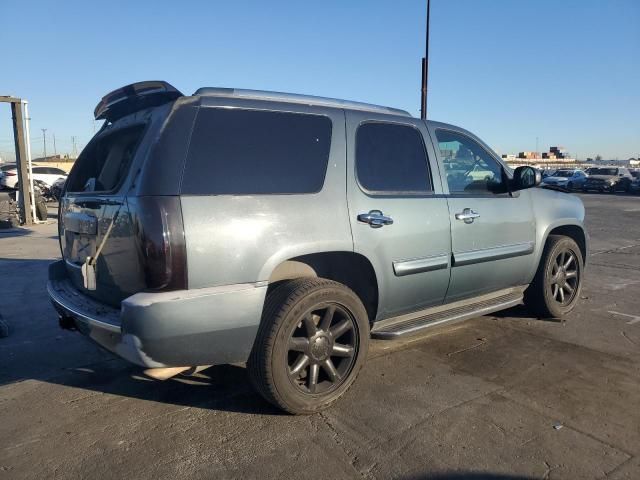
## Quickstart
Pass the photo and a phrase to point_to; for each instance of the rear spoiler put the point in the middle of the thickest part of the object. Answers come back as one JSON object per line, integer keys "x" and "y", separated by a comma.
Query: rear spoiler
{"x": 133, "y": 98}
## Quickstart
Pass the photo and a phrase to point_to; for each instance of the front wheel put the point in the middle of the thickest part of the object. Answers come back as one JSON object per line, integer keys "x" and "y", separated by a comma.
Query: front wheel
{"x": 311, "y": 344}
{"x": 555, "y": 289}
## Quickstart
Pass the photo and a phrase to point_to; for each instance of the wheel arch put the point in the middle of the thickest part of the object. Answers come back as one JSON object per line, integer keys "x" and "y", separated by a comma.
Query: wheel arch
{"x": 349, "y": 268}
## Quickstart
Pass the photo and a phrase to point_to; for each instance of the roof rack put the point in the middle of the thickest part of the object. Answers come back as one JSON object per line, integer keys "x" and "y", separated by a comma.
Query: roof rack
{"x": 296, "y": 98}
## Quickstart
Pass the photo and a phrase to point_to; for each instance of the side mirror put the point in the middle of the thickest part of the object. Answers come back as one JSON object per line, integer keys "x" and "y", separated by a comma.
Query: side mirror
{"x": 525, "y": 177}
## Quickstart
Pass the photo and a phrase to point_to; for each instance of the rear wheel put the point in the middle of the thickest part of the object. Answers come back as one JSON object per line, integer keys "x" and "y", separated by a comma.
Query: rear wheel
{"x": 311, "y": 344}
{"x": 556, "y": 287}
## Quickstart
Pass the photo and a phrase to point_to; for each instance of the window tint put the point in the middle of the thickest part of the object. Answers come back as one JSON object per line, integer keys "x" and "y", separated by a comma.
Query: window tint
{"x": 40, "y": 170}
{"x": 391, "y": 158}
{"x": 57, "y": 171}
{"x": 468, "y": 166}
{"x": 241, "y": 152}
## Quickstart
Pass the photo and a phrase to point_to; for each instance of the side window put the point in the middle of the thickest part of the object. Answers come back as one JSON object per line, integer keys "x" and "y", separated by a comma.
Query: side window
{"x": 40, "y": 170}
{"x": 391, "y": 158}
{"x": 245, "y": 152}
{"x": 469, "y": 167}
{"x": 57, "y": 171}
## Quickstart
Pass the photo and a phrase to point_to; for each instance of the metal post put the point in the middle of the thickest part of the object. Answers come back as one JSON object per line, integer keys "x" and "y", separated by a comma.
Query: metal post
{"x": 23, "y": 184}
{"x": 27, "y": 132}
{"x": 425, "y": 69}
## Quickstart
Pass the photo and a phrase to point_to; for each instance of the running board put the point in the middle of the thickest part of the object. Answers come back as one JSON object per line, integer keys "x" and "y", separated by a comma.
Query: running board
{"x": 453, "y": 312}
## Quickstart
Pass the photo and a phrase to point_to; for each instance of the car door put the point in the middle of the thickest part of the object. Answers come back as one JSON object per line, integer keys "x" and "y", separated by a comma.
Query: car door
{"x": 399, "y": 217}
{"x": 492, "y": 230}
{"x": 41, "y": 173}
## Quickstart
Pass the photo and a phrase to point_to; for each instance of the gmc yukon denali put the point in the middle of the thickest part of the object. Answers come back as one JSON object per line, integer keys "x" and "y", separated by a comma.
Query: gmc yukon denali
{"x": 284, "y": 231}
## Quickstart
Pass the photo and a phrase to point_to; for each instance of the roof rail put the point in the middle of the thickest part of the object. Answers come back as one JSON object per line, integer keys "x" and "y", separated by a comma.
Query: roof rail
{"x": 296, "y": 98}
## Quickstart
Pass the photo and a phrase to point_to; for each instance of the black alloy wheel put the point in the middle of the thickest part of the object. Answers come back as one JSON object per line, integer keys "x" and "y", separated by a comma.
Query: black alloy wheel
{"x": 564, "y": 279}
{"x": 555, "y": 289}
{"x": 322, "y": 347}
{"x": 311, "y": 344}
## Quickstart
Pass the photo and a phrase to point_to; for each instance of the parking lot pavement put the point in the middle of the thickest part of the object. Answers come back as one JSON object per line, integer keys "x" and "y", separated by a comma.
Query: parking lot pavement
{"x": 503, "y": 394}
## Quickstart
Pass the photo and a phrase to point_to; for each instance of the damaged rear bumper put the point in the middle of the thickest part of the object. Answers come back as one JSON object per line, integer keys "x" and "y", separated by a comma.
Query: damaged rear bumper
{"x": 207, "y": 326}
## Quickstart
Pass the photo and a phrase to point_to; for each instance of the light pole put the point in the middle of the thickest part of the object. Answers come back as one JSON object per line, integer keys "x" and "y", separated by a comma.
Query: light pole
{"x": 425, "y": 69}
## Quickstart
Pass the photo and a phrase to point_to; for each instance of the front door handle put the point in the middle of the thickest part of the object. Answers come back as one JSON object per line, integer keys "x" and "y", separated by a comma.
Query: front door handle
{"x": 467, "y": 215}
{"x": 375, "y": 219}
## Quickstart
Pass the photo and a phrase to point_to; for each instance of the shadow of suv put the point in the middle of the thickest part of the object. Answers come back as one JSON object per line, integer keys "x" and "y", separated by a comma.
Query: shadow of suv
{"x": 286, "y": 230}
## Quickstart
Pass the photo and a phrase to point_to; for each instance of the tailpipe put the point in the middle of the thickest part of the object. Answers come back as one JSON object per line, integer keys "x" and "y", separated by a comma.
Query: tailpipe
{"x": 166, "y": 373}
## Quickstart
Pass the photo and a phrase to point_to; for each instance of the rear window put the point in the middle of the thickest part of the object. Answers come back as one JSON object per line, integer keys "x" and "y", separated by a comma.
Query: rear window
{"x": 242, "y": 152}
{"x": 104, "y": 164}
{"x": 391, "y": 158}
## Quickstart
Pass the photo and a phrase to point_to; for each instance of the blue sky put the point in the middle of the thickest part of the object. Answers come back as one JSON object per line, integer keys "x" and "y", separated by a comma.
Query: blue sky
{"x": 565, "y": 71}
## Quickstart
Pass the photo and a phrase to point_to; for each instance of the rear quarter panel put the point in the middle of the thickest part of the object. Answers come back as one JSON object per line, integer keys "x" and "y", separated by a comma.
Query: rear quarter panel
{"x": 239, "y": 239}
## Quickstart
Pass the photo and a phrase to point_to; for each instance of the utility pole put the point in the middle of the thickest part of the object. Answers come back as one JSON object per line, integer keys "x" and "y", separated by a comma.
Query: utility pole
{"x": 55, "y": 152}
{"x": 44, "y": 143}
{"x": 425, "y": 69}
{"x": 74, "y": 151}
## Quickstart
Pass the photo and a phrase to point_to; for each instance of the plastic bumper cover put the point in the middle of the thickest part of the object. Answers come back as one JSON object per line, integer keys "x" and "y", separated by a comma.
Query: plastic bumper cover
{"x": 205, "y": 326}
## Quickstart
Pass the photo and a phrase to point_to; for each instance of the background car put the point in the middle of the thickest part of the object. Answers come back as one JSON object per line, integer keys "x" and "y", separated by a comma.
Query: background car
{"x": 608, "y": 179}
{"x": 568, "y": 179}
{"x": 635, "y": 183}
{"x": 47, "y": 175}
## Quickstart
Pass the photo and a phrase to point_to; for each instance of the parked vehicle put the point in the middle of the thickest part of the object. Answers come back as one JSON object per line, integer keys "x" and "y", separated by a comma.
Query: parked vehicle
{"x": 548, "y": 173}
{"x": 608, "y": 179}
{"x": 635, "y": 183}
{"x": 286, "y": 230}
{"x": 568, "y": 179}
{"x": 57, "y": 188}
{"x": 47, "y": 175}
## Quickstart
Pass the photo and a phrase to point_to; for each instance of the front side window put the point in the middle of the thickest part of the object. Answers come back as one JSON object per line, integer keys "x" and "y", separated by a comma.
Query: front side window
{"x": 245, "y": 152}
{"x": 469, "y": 167}
{"x": 391, "y": 158}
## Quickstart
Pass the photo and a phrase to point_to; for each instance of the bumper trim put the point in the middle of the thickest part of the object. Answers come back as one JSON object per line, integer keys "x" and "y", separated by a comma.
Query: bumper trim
{"x": 58, "y": 301}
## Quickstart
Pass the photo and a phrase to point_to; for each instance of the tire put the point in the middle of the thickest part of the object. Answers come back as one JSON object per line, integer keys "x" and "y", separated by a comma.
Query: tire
{"x": 543, "y": 295}
{"x": 41, "y": 209}
{"x": 292, "y": 312}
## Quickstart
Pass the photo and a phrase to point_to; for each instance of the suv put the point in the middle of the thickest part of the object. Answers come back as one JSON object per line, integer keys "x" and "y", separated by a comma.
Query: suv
{"x": 608, "y": 179}
{"x": 285, "y": 231}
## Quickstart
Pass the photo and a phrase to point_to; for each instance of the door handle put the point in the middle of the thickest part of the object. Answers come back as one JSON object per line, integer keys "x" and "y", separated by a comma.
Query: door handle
{"x": 375, "y": 219}
{"x": 467, "y": 215}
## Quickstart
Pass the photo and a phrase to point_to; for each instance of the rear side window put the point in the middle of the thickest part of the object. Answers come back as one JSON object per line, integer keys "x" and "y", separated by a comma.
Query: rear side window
{"x": 391, "y": 158}
{"x": 105, "y": 163}
{"x": 243, "y": 152}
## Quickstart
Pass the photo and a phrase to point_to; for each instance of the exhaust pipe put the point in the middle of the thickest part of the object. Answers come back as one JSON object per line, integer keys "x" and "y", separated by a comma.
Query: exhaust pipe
{"x": 167, "y": 372}
{"x": 67, "y": 323}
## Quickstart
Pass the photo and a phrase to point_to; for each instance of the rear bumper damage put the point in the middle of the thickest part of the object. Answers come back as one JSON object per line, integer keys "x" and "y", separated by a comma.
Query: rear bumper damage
{"x": 207, "y": 326}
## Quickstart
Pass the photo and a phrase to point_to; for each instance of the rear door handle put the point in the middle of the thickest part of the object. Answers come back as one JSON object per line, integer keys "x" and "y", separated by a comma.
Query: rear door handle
{"x": 375, "y": 218}
{"x": 467, "y": 215}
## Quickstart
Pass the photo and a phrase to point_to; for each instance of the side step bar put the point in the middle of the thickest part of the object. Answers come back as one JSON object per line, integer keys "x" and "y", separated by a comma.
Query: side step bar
{"x": 453, "y": 312}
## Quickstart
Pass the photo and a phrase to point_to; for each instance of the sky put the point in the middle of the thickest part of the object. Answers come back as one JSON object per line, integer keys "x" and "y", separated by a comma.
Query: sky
{"x": 566, "y": 72}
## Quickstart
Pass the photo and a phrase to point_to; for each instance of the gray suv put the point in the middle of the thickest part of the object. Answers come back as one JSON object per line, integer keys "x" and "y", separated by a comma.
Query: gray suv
{"x": 285, "y": 231}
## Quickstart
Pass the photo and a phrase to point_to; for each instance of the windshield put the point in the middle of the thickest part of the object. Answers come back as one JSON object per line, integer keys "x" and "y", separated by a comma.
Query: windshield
{"x": 563, "y": 173}
{"x": 603, "y": 171}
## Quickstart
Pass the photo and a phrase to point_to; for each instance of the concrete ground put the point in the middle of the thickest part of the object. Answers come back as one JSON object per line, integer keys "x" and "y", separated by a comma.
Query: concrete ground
{"x": 503, "y": 395}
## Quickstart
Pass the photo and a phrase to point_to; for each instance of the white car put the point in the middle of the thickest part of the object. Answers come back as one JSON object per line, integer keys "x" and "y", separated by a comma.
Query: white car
{"x": 48, "y": 175}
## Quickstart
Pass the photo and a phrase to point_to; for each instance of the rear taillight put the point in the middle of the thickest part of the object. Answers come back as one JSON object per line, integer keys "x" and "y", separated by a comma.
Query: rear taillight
{"x": 161, "y": 239}
{"x": 9, "y": 174}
